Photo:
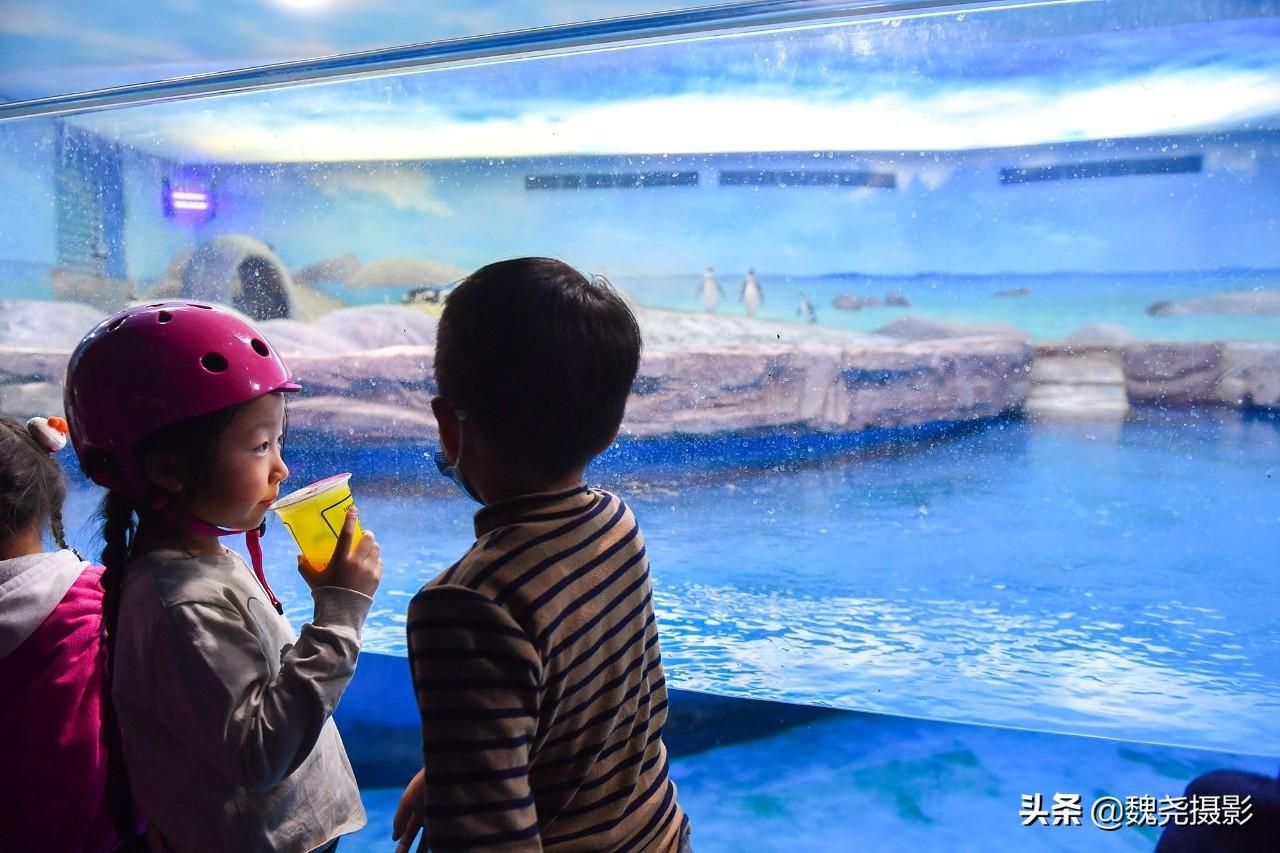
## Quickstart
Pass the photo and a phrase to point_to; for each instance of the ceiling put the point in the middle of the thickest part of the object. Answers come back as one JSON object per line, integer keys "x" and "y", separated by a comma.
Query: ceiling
{"x": 1034, "y": 73}
{"x": 54, "y": 47}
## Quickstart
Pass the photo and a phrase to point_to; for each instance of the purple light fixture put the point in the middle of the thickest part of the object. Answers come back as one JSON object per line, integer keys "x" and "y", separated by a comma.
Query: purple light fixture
{"x": 187, "y": 201}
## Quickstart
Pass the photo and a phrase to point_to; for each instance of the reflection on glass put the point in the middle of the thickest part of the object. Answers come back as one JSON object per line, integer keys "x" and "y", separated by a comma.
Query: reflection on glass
{"x": 962, "y": 356}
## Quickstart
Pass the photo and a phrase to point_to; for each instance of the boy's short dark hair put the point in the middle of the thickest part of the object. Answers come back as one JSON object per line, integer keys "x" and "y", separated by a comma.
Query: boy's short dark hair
{"x": 541, "y": 360}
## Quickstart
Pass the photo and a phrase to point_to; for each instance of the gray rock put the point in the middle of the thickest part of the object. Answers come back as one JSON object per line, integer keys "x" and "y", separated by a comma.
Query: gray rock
{"x": 42, "y": 324}
{"x": 1165, "y": 309}
{"x": 1172, "y": 373}
{"x": 1101, "y": 333}
{"x": 922, "y": 329}
{"x": 293, "y": 336}
{"x": 1014, "y": 291}
{"x": 401, "y": 376}
{"x": 239, "y": 271}
{"x": 361, "y": 420}
{"x": 897, "y": 300}
{"x": 1258, "y": 303}
{"x": 100, "y": 291}
{"x": 403, "y": 272}
{"x": 682, "y": 330}
{"x": 31, "y": 399}
{"x": 826, "y": 388}
{"x": 337, "y": 269}
{"x": 704, "y": 389}
{"x": 20, "y": 365}
{"x": 1250, "y": 375}
{"x": 853, "y": 302}
{"x": 374, "y": 326}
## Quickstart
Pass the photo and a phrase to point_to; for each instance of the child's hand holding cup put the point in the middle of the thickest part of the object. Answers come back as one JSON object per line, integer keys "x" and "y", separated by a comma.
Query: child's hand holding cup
{"x": 323, "y": 521}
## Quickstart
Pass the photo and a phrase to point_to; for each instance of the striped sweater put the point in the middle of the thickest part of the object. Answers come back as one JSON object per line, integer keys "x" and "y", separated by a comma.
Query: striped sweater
{"x": 538, "y": 677}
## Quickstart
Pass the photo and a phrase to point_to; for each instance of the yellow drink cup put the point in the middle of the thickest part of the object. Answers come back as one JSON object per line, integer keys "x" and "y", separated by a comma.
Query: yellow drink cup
{"x": 314, "y": 515}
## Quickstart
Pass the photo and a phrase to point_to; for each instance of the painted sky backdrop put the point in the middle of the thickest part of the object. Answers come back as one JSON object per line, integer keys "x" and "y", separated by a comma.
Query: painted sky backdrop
{"x": 398, "y": 166}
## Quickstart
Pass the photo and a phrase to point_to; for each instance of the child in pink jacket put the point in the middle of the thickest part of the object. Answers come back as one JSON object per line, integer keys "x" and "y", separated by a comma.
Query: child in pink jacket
{"x": 54, "y": 795}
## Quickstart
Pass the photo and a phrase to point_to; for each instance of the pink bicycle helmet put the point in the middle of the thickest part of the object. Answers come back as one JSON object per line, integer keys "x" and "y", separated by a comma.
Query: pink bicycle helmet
{"x": 148, "y": 367}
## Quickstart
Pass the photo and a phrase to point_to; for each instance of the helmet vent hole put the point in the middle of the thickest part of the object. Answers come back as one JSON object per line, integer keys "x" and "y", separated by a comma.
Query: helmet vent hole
{"x": 117, "y": 324}
{"x": 198, "y": 305}
{"x": 164, "y": 316}
{"x": 260, "y": 347}
{"x": 214, "y": 362}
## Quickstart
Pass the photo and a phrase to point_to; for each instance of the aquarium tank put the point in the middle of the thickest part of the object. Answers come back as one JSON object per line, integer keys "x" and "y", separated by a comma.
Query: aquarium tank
{"x": 956, "y": 437}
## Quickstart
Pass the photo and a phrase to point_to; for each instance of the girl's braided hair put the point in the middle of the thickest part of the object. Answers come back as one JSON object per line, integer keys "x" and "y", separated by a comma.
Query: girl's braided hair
{"x": 32, "y": 488}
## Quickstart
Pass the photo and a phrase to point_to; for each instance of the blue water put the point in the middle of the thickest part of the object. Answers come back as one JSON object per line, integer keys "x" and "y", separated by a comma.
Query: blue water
{"x": 1107, "y": 579}
{"x": 1056, "y": 305}
{"x": 24, "y": 280}
{"x": 862, "y": 782}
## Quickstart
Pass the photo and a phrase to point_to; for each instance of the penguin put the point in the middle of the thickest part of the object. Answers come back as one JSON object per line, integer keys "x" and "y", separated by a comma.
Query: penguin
{"x": 752, "y": 296}
{"x": 806, "y": 309}
{"x": 710, "y": 290}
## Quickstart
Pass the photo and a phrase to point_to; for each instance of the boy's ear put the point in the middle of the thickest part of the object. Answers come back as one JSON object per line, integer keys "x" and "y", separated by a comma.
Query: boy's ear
{"x": 166, "y": 471}
{"x": 447, "y": 422}
{"x": 612, "y": 438}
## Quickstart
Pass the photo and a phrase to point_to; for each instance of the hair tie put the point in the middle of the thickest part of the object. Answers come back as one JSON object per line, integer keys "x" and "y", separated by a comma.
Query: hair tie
{"x": 49, "y": 433}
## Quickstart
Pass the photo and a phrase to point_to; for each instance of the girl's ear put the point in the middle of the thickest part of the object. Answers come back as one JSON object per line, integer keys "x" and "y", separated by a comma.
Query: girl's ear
{"x": 166, "y": 471}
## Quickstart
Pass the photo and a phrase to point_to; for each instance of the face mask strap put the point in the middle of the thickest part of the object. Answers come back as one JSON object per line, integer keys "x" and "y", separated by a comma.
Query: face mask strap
{"x": 451, "y": 471}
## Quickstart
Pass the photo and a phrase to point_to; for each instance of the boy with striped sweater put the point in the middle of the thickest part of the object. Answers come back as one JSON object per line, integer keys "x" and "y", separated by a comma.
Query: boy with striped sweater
{"x": 535, "y": 657}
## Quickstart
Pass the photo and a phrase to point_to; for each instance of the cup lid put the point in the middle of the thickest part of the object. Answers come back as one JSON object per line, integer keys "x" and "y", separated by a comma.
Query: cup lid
{"x": 313, "y": 489}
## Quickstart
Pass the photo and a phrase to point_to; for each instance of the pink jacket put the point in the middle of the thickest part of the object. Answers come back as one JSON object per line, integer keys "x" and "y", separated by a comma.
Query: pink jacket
{"x": 53, "y": 790}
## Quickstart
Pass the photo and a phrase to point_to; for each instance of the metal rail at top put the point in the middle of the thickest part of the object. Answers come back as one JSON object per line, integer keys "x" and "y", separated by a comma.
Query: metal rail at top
{"x": 710, "y": 19}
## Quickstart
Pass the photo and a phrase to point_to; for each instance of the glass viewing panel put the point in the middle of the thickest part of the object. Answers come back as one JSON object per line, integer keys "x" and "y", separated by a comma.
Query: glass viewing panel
{"x": 962, "y": 333}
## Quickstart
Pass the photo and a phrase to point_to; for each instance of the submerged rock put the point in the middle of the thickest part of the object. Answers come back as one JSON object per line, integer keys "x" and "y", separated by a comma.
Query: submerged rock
{"x": 897, "y": 300}
{"x": 1014, "y": 291}
{"x": 853, "y": 302}
{"x": 1262, "y": 303}
{"x": 922, "y": 329}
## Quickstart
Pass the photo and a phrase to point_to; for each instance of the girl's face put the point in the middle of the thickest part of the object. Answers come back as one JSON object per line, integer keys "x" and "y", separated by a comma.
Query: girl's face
{"x": 247, "y": 467}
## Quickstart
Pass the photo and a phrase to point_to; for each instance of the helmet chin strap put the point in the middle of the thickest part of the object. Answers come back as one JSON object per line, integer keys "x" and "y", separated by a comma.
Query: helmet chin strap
{"x": 252, "y": 541}
{"x": 196, "y": 526}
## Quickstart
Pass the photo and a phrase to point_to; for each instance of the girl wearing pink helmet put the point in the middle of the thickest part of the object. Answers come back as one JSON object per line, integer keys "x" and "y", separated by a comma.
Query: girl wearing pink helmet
{"x": 223, "y": 713}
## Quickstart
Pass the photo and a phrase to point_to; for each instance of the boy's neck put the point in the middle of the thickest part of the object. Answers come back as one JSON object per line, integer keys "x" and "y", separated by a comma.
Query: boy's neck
{"x": 504, "y": 489}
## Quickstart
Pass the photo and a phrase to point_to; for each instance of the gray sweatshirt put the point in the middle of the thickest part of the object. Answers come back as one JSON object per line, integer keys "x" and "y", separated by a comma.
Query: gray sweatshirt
{"x": 30, "y": 587}
{"x": 225, "y": 712}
